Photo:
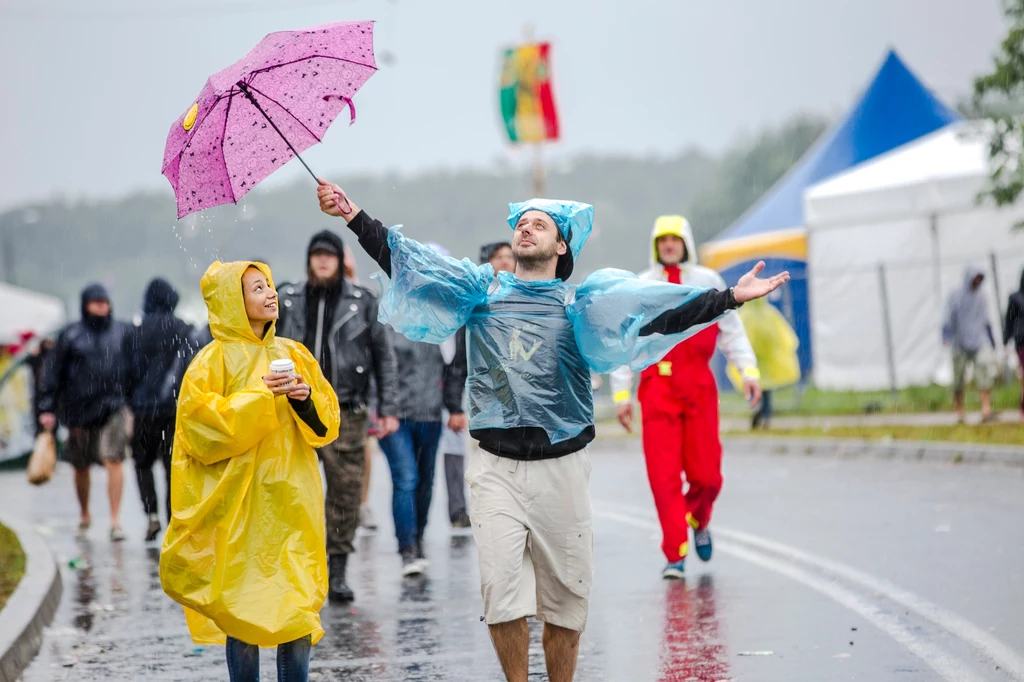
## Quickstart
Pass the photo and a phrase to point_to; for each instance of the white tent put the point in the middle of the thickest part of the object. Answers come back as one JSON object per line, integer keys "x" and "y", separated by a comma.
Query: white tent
{"x": 888, "y": 241}
{"x": 28, "y": 311}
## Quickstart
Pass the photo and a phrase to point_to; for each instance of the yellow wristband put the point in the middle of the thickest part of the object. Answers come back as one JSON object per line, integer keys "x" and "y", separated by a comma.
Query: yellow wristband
{"x": 621, "y": 396}
{"x": 752, "y": 373}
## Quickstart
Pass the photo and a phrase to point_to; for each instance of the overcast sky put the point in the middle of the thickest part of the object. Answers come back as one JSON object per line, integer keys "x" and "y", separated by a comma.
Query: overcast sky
{"x": 90, "y": 87}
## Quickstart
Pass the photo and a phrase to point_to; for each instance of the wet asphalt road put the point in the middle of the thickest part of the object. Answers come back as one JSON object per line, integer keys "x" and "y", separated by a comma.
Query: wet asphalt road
{"x": 824, "y": 570}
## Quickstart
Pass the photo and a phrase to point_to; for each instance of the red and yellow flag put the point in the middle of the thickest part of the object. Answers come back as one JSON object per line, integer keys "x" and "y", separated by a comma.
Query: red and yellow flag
{"x": 527, "y": 102}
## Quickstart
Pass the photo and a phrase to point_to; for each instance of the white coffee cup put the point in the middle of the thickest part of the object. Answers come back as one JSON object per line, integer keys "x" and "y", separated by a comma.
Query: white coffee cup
{"x": 284, "y": 366}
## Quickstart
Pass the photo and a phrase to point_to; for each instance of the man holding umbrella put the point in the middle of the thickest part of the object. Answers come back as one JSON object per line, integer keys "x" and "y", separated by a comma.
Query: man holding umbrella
{"x": 535, "y": 340}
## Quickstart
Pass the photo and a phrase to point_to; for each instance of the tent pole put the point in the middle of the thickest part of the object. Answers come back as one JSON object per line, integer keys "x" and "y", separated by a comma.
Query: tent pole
{"x": 995, "y": 283}
{"x": 936, "y": 259}
{"x": 887, "y": 329}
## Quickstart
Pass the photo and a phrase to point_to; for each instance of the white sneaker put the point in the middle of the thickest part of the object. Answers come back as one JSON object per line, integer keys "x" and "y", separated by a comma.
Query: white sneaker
{"x": 366, "y": 520}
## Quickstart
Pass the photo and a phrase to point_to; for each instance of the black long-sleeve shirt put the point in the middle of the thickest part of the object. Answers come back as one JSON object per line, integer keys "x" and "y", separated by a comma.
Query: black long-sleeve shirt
{"x": 530, "y": 443}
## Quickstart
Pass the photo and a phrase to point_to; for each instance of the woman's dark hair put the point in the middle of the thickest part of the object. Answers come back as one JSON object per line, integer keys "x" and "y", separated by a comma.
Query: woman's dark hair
{"x": 487, "y": 251}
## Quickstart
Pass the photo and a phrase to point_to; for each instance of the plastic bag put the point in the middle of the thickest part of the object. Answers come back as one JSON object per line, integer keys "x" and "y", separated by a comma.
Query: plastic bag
{"x": 43, "y": 460}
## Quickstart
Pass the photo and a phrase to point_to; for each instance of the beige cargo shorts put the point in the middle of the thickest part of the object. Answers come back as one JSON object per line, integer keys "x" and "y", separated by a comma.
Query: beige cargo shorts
{"x": 534, "y": 534}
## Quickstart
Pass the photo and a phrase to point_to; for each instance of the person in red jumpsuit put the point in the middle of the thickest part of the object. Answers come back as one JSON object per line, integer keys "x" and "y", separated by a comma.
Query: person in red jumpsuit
{"x": 679, "y": 404}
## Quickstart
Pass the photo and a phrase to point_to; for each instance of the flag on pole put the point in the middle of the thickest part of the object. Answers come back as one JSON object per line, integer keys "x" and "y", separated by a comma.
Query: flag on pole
{"x": 527, "y": 101}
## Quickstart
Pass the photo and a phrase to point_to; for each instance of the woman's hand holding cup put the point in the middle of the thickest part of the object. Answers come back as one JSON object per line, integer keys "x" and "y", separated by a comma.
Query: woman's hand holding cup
{"x": 282, "y": 379}
{"x": 280, "y": 383}
{"x": 299, "y": 390}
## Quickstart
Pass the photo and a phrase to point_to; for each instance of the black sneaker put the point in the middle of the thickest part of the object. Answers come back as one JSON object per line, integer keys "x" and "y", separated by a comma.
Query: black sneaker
{"x": 461, "y": 520}
{"x": 410, "y": 563}
{"x": 420, "y": 557}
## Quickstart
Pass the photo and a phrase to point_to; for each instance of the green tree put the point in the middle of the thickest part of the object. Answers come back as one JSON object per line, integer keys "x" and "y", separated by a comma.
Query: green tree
{"x": 748, "y": 170}
{"x": 998, "y": 96}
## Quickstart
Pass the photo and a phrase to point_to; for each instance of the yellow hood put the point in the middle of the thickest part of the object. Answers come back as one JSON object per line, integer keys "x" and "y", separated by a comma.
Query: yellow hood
{"x": 677, "y": 226}
{"x": 222, "y": 291}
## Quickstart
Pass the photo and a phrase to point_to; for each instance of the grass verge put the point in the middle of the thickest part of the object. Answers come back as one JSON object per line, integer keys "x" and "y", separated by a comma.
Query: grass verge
{"x": 12, "y": 563}
{"x": 812, "y": 402}
{"x": 989, "y": 434}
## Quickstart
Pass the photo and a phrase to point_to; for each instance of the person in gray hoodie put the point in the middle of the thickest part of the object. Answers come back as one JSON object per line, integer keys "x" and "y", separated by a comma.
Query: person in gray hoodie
{"x": 967, "y": 329}
{"x": 427, "y": 385}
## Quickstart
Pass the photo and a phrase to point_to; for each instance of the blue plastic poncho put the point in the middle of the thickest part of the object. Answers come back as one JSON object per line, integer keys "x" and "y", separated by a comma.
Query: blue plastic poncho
{"x": 531, "y": 344}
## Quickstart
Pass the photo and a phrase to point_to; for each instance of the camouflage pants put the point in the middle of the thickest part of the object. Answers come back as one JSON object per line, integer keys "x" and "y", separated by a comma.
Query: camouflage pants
{"x": 343, "y": 469}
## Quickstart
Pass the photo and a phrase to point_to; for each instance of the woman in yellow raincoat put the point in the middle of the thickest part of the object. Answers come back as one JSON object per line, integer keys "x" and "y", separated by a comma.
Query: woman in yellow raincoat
{"x": 774, "y": 343}
{"x": 245, "y": 550}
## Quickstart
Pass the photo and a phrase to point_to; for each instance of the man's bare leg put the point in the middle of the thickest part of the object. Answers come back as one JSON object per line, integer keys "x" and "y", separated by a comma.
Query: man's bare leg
{"x": 986, "y": 404}
{"x": 115, "y": 487}
{"x": 561, "y": 647}
{"x": 82, "y": 484}
{"x": 958, "y": 406}
{"x": 512, "y": 644}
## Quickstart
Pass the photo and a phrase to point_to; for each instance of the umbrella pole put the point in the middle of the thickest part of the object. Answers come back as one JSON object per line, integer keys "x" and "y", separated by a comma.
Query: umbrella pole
{"x": 248, "y": 94}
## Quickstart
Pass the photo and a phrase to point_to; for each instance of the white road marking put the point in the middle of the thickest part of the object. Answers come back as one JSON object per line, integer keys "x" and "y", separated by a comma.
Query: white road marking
{"x": 1009, "y": 660}
{"x": 949, "y": 667}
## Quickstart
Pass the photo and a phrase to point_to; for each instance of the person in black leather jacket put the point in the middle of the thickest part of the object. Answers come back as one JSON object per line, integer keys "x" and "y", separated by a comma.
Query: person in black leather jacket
{"x": 337, "y": 321}
{"x": 163, "y": 347}
{"x": 86, "y": 385}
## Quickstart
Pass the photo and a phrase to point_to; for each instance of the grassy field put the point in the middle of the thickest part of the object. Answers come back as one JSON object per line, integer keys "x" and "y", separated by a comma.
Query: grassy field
{"x": 12, "y": 563}
{"x": 993, "y": 434}
{"x": 917, "y": 399}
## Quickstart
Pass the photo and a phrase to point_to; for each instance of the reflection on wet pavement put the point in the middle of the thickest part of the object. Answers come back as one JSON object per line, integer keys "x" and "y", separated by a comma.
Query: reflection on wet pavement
{"x": 692, "y": 648}
{"x": 115, "y": 623}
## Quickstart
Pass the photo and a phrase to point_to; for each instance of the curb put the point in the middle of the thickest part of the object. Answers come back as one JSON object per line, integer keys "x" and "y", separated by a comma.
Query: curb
{"x": 930, "y": 451}
{"x": 30, "y": 609}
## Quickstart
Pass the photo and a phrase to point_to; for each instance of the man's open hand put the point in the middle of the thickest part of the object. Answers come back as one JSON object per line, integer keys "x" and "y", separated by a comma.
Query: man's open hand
{"x": 750, "y": 287}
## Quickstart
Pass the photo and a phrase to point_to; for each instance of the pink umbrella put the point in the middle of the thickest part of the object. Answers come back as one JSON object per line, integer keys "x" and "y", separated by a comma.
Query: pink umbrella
{"x": 257, "y": 114}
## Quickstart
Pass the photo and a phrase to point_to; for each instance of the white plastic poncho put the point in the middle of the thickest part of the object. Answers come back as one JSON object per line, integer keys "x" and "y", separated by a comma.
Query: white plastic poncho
{"x": 532, "y": 344}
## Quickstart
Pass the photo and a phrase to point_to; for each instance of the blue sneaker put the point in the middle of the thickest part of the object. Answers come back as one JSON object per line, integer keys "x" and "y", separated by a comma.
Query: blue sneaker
{"x": 675, "y": 570}
{"x": 702, "y": 541}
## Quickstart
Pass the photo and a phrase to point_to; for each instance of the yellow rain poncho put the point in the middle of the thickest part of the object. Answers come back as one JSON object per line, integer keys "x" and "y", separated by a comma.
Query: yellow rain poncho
{"x": 774, "y": 343}
{"x": 245, "y": 549}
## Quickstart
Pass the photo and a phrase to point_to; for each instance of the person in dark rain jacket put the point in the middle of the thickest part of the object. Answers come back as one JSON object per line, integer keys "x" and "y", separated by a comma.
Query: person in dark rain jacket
{"x": 163, "y": 346}
{"x": 85, "y": 386}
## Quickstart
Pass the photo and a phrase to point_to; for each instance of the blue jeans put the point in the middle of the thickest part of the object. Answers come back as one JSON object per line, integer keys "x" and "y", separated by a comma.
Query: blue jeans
{"x": 292, "y": 661}
{"x": 411, "y": 453}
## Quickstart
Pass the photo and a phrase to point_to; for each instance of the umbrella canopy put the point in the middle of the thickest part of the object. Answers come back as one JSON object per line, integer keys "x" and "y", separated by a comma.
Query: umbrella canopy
{"x": 260, "y": 112}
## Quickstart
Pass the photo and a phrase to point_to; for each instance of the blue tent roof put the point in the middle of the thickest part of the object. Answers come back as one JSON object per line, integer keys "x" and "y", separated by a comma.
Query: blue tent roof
{"x": 895, "y": 109}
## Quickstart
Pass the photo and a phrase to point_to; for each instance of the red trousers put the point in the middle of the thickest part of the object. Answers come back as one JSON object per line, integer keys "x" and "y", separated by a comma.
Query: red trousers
{"x": 679, "y": 402}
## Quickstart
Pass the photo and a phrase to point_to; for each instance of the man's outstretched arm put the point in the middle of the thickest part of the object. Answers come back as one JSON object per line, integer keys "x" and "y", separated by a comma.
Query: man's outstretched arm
{"x": 713, "y": 303}
{"x": 698, "y": 310}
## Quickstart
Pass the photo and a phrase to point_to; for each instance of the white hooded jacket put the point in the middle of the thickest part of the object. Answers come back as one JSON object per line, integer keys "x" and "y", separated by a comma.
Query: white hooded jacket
{"x": 732, "y": 338}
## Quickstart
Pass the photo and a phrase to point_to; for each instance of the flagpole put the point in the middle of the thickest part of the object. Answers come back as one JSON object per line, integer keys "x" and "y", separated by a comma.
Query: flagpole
{"x": 539, "y": 176}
